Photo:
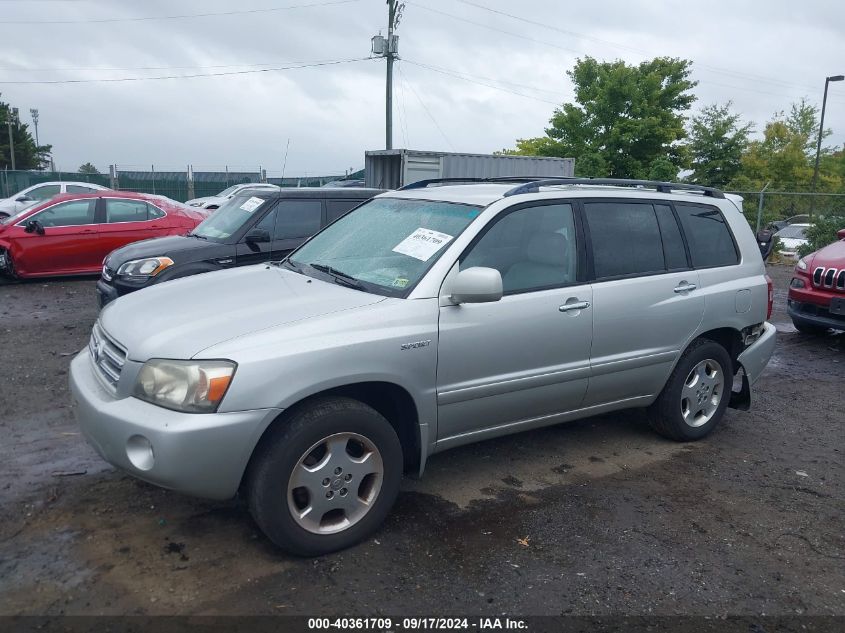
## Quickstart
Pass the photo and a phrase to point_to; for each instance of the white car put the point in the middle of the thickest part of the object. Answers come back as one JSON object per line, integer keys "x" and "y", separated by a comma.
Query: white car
{"x": 41, "y": 192}
{"x": 791, "y": 238}
{"x": 213, "y": 202}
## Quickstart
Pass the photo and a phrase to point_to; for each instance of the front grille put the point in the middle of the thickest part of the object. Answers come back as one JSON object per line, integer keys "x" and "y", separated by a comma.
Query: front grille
{"x": 108, "y": 355}
{"x": 829, "y": 278}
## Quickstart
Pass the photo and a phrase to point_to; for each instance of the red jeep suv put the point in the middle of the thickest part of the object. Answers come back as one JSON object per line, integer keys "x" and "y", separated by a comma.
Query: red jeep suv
{"x": 817, "y": 291}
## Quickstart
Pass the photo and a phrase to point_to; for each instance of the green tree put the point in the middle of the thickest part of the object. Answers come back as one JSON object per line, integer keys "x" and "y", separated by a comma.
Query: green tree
{"x": 27, "y": 154}
{"x": 88, "y": 168}
{"x": 717, "y": 140}
{"x": 626, "y": 121}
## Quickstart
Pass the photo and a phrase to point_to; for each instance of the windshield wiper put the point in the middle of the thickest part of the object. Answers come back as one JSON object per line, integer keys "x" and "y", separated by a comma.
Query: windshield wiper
{"x": 287, "y": 264}
{"x": 339, "y": 276}
{"x": 199, "y": 237}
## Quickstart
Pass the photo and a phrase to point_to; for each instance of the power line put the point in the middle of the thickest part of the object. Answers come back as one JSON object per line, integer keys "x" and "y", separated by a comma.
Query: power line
{"x": 480, "y": 83}
{"x": 431, "y": 116}
{"x": 192, "y": 76}
{"x": 493, "y": 79}
{"x": 552, "y": 27}
{"x": 181, "y": 16}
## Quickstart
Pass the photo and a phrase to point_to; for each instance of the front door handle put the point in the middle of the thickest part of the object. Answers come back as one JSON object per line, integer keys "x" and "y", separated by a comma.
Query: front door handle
{"x": 87, "y": 232}
{"x": 578, "y": 305}
{"x": 685, "y": 287}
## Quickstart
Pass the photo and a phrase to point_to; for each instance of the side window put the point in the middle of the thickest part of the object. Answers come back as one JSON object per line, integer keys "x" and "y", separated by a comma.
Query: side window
{"x": 154, "y": 212}
{"x": 72, "y": 213}
{"x": 126, "y": 211}
{"x": 673, "y": 243}
{"x": 337, "y": 208}
{"x": 625, "y": 239}
{"x": 297, "y": 218}
{"x": 533, "y": 248}
{"x": 268, "y": 222}
{"x": 45, "y": 193}
{"x": 708, "y": 236}
{"x": 80, "y": 189}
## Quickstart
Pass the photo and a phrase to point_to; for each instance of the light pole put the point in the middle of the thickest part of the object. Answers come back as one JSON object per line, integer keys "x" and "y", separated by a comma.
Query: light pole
{"x": 819, "y": 145}
{"x": 12, "y": 118}
{"x": 33, "y": 112}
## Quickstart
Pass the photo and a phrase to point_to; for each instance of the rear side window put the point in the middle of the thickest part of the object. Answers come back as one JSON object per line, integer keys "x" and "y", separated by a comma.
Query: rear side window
{"x": 625, "y": 239}
{"x": 709, "y": 238}
{"x": 126, "y": 211}
{"x": 673, "y": 243}
{"x": 80, "y": 189}
{"x": 337, "y": 208}
{"x": 297, "y": 218}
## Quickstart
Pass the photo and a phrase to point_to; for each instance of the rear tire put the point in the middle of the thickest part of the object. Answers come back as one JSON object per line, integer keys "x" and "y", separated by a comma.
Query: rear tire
{"x": 326, "y": 477}
{"x": 809, "y": 328}
{"x": 696, "y": 395}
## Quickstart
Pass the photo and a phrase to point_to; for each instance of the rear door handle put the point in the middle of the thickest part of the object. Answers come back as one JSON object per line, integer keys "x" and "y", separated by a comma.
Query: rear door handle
{"x": 87, "y": 232}
{"x": 578, "y": 305}
{"x": 685, "y": 287}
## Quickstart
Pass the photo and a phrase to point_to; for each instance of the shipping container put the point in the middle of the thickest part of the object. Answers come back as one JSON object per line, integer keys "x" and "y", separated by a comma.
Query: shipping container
{"x": 394, "y": 168}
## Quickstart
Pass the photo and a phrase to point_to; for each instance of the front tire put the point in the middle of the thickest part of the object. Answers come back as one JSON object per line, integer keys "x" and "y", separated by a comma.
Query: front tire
{"x": 326, "y": 477}
{"x": 696, "y": 395}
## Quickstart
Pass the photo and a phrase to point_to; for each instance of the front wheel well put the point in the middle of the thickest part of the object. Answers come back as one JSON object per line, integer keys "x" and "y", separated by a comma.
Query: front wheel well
{"x": 390, "y": 400}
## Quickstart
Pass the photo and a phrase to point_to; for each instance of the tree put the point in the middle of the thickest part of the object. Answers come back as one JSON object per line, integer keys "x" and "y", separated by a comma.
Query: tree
{"x": 27, "y": 154}
{"x": 88, "y": 168}
{"x": 717, "y": 141}
{"x": 626, "y": 121}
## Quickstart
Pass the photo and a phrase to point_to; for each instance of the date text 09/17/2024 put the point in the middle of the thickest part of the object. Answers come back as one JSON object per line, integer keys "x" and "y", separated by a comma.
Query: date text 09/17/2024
{"x": 417, "y": 623}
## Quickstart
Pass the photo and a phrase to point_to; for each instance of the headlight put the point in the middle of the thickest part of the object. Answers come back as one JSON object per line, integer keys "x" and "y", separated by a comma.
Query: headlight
{"x": 148, "y": 267}
{"x": 184, "y": 385}
{"x": 802, "y": 264}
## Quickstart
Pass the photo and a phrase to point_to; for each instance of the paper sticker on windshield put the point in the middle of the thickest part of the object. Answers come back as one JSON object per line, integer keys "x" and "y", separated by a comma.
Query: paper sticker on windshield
{"x": 422, "y": 244}
{"x": 400, "y": 282}
{"x": 252, "y": 204}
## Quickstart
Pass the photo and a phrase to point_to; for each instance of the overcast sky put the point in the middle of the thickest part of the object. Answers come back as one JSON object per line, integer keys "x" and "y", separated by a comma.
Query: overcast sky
{"x": 762, "y": 55}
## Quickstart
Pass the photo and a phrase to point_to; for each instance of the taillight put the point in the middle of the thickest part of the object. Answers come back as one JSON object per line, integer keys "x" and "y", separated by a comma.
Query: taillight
{"x": 771, "y": 289}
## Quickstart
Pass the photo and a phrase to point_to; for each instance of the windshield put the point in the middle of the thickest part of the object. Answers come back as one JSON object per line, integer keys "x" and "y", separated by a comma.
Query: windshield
{"x": 385, "y": 245}
{"x": 17, "y": 216}
{"x": 799, "y": 232}
{"x": 229, "y": 218}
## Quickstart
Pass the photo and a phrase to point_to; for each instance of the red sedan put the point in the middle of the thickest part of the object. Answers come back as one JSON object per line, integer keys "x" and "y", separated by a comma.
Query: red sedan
{"x": 71, "y": 234}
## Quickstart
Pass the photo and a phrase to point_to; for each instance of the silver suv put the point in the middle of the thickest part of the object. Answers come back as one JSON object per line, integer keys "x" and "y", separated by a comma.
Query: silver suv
{"x": 430, "y": 317}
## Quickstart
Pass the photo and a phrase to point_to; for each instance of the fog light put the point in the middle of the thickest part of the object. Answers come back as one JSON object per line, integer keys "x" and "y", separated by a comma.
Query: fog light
{"x": 797, "y": 283}
{"x": 140, "y": 452}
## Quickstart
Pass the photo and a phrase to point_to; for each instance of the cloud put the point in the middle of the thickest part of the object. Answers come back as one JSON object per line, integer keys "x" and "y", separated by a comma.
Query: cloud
{"x": 762, "y": 57}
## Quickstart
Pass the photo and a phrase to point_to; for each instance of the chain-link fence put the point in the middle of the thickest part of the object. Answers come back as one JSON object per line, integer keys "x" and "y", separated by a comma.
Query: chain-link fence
{"x": 770, "y": 206}
{"x": 178, "y": 185}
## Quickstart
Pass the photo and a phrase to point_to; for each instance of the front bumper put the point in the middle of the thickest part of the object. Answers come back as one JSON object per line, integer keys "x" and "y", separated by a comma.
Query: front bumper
{"x": 813, "y": 314}
{"x": 204, "y": 455}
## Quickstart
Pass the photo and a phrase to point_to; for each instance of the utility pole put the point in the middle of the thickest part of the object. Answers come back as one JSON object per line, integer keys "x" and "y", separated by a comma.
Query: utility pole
{"x": 389, "y": 49}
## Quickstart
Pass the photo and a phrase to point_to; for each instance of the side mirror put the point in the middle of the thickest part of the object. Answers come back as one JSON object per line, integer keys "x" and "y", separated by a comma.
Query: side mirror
{"x": 24, "y": 199}
{"x": 477, "y": 285}
{"x": 256, "y": 236}
{"x": 841, "y": 234}
{"x": 34, "y": 226}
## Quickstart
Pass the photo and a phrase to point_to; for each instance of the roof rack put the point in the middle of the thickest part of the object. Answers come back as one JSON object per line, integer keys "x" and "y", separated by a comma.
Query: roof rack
{"x": 422, "y": 184}
{"x": 662, "y": 187}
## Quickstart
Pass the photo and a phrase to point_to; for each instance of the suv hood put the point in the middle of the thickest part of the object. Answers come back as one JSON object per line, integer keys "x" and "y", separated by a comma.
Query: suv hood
{"x": 180, "y": 318}
{"x": 155, "y": 247}
{"x": 831, "y": 256}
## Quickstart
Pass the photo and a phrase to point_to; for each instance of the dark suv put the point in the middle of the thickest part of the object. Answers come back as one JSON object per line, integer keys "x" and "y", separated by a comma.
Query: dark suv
{"x": 253, "y": 227}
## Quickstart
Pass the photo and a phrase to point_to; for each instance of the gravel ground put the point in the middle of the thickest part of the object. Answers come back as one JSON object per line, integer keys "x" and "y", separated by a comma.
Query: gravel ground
{"x": 595, "y": 517}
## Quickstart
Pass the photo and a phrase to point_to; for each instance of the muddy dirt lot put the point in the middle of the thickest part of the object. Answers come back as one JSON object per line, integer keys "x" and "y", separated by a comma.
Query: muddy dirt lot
{"x": 595, "y": 517}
